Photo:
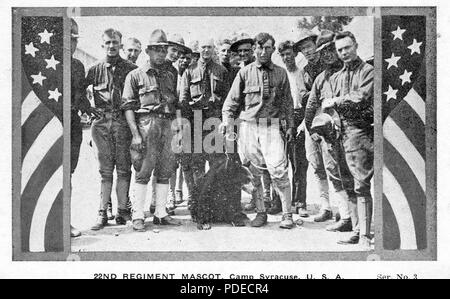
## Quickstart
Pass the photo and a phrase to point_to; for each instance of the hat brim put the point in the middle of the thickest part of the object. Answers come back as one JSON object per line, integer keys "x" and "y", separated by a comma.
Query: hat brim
{"x": 325, "y": 45}
{"x": 236, "y": 44}
{"x": 183, "y": 48}
{"x": 158, "y": 44}
{"x": 312, "y": 37}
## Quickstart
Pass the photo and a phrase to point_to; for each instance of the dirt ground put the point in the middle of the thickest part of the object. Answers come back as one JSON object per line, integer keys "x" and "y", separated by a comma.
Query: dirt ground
{"x": 222, "y": 237}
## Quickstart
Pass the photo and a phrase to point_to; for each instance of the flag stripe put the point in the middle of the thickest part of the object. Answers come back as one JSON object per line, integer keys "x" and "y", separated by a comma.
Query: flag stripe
{"x": 411, "y": 189}
{"x": 402, "y": 212}
{"x": 42, "y": 144}
{"x": 411, "y": 125}
{"x": 42, "y": 210}
{"x": 403, "y": 145}
{"x": 33, "y": 127}
{"x": 49, "y": 164}
{"x": 54, "y": 237}
{"x": 391, "y": 232}
{"x": 30, "y": 103}
{"x": 417, "y": 103}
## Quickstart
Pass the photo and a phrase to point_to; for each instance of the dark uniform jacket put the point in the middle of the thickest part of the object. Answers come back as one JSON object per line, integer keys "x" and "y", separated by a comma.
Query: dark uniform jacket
{"x": 79, "y": 101}
{"x": 108, "y": 81}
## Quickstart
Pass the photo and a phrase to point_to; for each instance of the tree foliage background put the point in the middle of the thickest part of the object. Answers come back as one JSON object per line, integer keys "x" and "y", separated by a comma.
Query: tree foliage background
{"x": 334, "y": 24}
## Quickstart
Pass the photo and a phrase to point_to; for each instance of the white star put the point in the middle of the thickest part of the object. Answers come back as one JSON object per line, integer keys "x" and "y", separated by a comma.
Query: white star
{"x": 398, "y": 33}
{"x": 55, "y": 94}
{"x": 392, "y": 61}
{"x": 415, "y": 47}
{"x": 406, "y": 77}
{"x": 30, "y": 49}
{"x": 391, "y": 93}
{"x": 45, "y": 36}
{"x": 38, "y": 78}
{"x": 51, "y": 63}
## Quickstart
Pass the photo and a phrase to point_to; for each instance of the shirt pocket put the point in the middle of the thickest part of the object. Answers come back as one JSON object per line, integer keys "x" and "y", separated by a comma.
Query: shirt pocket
{"x": 252, "y": 96}
{"x": 149, "y": 96}
{"x": 219, "y": 84}
{"x": 196, "y": 87}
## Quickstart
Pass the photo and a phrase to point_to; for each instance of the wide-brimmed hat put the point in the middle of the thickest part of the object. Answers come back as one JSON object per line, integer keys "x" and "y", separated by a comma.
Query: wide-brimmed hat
{"x": 325, "y": 39}
{"x": 327, "y": 124}
{"x": 242, "y": 38}
{"x": 157, "y": 38}
{"x": 178, "y": 41}
{"x": 304, "y": 36}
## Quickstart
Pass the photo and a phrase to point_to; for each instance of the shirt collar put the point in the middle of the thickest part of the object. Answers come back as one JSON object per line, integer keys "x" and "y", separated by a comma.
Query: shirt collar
{"x": 148, "y": 66}
{"x": 116, "y": 62}
{"x": 353, "y": 65}
{"x": 203, "y": 63}
{"x": 268, "y": 65}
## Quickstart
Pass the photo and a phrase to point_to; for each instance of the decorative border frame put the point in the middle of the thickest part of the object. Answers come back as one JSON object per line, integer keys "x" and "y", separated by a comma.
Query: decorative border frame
{"x": 377, "y": 254}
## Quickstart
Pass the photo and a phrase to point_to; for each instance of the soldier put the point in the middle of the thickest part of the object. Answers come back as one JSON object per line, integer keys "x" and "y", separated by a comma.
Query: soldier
{"x": 331, "y": 147}
{"x": 296, "y": 150}
{"x": 243, "y": 46}
{"x": 307, "y": 46}
{"x": 132, "y": 49}
{"x": 79, "y": 103}
{"x": 195, "y": 51}
{"x": 110, "y": 132}
{"x": 353, "y": 100}
{"x": 204, "y": 88}
{"x": 260, "y": 96}
{"x": 149, "y": 101}
{"x": 224, "y": 50}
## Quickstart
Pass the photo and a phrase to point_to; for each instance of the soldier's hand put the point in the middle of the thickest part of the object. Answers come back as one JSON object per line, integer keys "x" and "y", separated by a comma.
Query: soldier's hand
{"x": 223, "y": 128}
{"x": 93, "y": 112}
{"x": 316, "y": 137}
{"x": 290, "y": 135}
{"x": 137, "y": 143}
{"x": 301, "y": 128}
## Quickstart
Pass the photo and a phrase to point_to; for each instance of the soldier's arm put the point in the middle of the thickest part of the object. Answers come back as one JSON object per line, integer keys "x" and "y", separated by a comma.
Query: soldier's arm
{"x": 130, "y": 103}
{"x": 234, "y": 98}
{"x": 84, "y": 104}
{"x": 312, "y": 105}
{"x": 361, "y": 97}
{"x": 185, "y": 94}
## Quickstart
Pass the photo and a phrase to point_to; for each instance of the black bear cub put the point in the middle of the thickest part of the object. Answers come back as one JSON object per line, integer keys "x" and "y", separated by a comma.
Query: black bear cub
{"x": 217, "y": 195}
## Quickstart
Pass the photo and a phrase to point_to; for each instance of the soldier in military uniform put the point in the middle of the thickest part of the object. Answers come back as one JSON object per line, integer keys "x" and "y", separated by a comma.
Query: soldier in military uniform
{"x": 149, "y": 101}
{"x": 110, "y": 132}
{"x": 307, "y": 46}
{"x": 316, "y": 122}
{"x": 353, "y": 100}
{"x": 260, "y": 96}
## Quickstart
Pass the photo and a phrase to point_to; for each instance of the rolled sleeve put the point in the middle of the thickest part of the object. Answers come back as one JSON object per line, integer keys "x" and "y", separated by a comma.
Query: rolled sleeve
{"x": 130, "y": 96}
{"x": 312, "y": 105}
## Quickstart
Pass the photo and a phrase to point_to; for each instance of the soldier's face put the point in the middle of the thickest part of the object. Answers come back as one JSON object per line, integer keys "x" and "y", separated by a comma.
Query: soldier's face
{"x": 184, "y": 61}
{"x": 133, "y": 50}
{"x": 346, "y": 49}
{"x": 308, "y": 49}
{"x": 245, "y": 52}
{"x": 206, "y": 52}
{"x": 288, "y": 57}
{"x": 329, "y": 55}
{"x": 225, "y": 53}
{"x": 111, "y": 45}
{"x": 157, "y": 54}
{"x": 172, "y": 53}
{"x": 264, "y": 52}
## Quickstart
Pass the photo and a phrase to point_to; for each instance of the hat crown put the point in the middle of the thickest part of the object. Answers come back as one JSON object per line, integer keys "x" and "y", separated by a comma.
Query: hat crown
{"x": 158, "y": 37}
{"x": 306, "y": 34}
{"x": 176, "y": 38}
{"x": 325, "y": 37}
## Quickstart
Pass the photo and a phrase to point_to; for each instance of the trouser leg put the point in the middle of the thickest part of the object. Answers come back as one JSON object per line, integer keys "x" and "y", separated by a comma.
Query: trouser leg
{"x": 138, "y": 201}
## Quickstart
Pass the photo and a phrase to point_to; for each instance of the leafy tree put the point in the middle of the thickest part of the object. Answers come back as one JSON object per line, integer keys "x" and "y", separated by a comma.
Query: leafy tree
{"x": 334, "y": 24}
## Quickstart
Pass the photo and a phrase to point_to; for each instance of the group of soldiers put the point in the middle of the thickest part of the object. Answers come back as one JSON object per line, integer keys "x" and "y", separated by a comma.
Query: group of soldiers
{"x": 319, "y": 115}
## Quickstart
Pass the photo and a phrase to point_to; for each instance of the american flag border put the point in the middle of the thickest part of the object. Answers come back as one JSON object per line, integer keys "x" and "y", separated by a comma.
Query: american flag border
{"x": 379, "y": 253}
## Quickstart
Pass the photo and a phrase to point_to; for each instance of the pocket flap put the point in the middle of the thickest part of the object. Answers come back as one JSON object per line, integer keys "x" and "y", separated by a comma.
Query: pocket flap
{"x": 196, "y": 80}
{"x": 146, "y": 89}
{"x": 252, "y": 89}
{"x": 100, "y": 86}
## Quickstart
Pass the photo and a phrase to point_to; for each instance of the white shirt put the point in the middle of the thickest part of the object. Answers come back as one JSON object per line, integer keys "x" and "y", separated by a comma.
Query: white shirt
{"x": 298, "y": 88}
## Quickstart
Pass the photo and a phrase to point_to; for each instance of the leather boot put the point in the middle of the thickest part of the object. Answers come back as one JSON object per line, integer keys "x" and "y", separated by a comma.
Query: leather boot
{"x": 276, "y": 205}
{"x": 109, "y": 211}
{"x": 287, "y": 221}
{"x": 260, "y": 220}
{"x": 102, "y": 221}
{"x": 123, "y": 216}
{"x": 365, "y": 215}
{"x": 343, "y": 225}
{"x": 324, "y": 216}
{"x": 189, "y": 179}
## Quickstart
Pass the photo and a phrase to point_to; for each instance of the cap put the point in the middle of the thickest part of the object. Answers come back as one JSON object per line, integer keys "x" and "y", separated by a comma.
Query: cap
{"x": 304, "y": 36}
{"x": 327, "y": 124}
{"x": 242, "y": 38}
{"x": 178, "y": 41}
